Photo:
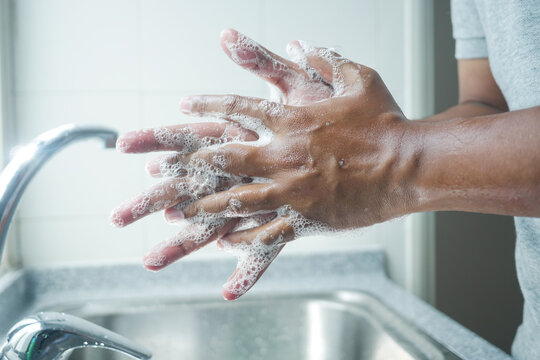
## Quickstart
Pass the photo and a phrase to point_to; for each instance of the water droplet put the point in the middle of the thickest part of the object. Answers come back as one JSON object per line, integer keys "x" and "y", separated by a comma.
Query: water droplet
{"x": 341, "y": 162}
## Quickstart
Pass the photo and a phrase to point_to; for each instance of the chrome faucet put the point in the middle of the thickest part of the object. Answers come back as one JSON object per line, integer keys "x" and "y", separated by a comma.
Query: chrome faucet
{"x": 52, "y": 336}
{"x": 30, "y": 158}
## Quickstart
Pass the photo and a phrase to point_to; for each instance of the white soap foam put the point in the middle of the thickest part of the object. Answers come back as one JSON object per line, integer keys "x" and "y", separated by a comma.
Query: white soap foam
{"x": 116, "y": 219}
{"x": 158, "y": 197}
{"x": 301, "y": 225}
{"x": 261, "y": 57}
{"x": 156, "y": 258}
{"x": 312, "y": 86}
{"x": 256, "y": 125}
{"x": 188, "y": 140}
{"x": 252, "y": 259}
{"x": 299, "y": 56}
{"x": 255, "y": 256}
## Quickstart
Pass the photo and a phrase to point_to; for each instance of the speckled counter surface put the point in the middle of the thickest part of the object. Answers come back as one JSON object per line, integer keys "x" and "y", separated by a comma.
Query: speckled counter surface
{"x": 28, "y": 291}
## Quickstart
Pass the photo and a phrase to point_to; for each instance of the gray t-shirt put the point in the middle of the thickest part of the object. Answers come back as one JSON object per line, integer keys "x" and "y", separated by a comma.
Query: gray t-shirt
{"x": 508, "y": 33}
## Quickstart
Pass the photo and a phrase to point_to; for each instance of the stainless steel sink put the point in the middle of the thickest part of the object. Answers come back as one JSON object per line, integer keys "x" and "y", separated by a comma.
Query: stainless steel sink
{"x": 298, "y": 310}
{"x": 334, "y": 325}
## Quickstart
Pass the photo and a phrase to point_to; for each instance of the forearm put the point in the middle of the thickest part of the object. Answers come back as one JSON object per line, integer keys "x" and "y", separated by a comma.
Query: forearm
{"x": 466, "y": 109}
{"x": 487, "y": 163}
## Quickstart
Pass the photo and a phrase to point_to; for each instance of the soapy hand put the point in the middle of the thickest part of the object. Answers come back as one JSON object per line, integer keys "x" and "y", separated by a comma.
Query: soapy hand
{"x": 326, "y": 155}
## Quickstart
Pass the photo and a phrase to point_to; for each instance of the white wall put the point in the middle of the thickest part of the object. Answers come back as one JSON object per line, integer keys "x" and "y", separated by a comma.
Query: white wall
{"x": 126, "y": 63}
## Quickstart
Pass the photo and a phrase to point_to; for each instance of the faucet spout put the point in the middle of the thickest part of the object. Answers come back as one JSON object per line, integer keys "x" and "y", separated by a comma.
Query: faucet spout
{"x": 51, "y": 336}
{"x": 29, "y": 159}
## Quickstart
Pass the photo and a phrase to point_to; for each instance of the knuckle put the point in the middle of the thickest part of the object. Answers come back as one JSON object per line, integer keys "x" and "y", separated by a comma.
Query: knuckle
{"x": 234, "y": 156}
{"x": 251, "y": 155}
{"x": 269, "y": 196}
{"x": 201, "y": 105}
{"x": 233, "y": 203}
{"x": 231, "y": 104}
{"x": 219, "y": 159}
{"x": 270, "y": 109}
{"x": 194, "y": 208}
{"x": 369, "y": 75}
{"x": 200, "y": 157}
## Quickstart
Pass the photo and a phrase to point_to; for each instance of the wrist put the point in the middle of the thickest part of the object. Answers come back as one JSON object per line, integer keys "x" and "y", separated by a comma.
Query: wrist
{"x": 432, "y": 149}
{"x": 417, "y": 196}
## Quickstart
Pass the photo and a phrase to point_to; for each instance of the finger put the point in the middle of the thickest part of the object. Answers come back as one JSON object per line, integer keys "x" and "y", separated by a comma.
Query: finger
{"x": 183, "y": 138}
{"x": 229, "y": 161}
{"x": 274, "y": 231}
{"x": 246, "y": 111}
{"x": 174, "y": 214}
{"x": 168, "y": 165}
{"x": 250, "y": 267}
{"x": 163, "y": 195}
{"x": 193, "y": 237}
{"x": 298, "y": 51}
{"x": 313, "y": 59}
{"x": 253, "y": 221}
{"x": 233, "y": 160}
{"x": 251, "y": 56}
{"x": 343, "y": 74}
{"x": 242, "y": 201}
{"x": 255, "y": 250}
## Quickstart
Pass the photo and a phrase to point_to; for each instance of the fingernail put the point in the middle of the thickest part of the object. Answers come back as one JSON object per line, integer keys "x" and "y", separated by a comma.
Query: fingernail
{"x": 186, "y": 105}
{"x": 153, "y": 168}
{"x": 228, "y": 35}
{"x": 174, "y": 215}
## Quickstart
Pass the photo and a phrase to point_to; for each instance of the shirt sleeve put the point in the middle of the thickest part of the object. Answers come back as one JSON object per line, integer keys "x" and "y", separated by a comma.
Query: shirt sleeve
{"x": 468, "y": 30}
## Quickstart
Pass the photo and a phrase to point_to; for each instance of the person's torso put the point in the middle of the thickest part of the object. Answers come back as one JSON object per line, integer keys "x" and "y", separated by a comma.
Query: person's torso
{"x": 512, "y": 31}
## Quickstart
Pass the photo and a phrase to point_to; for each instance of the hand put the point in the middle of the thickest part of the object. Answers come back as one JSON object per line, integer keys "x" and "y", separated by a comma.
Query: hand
{"x": 296, "y": 83}
{"x": 342, "y": 163}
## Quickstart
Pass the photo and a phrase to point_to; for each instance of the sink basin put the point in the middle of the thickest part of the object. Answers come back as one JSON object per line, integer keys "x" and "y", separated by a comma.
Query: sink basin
{"x": 334, "y": 325}
{"x": 317, "y": 306}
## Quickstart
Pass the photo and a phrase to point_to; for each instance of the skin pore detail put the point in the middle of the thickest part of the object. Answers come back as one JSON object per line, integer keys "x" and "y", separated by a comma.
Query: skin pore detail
{"x": 332, "y": 152}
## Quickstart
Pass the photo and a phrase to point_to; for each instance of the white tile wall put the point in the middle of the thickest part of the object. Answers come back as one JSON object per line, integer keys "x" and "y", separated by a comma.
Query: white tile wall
{"x": 126, "y": 63}
{"x": 77, "y": 239}
{"x": 180, "y": 45}
{"x": 348, "y": 26}
{"x": 76, "y": 45}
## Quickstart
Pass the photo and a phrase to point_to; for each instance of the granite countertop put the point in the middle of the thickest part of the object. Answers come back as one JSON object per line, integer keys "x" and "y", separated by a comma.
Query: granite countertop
{"x": 27, "y": 291}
